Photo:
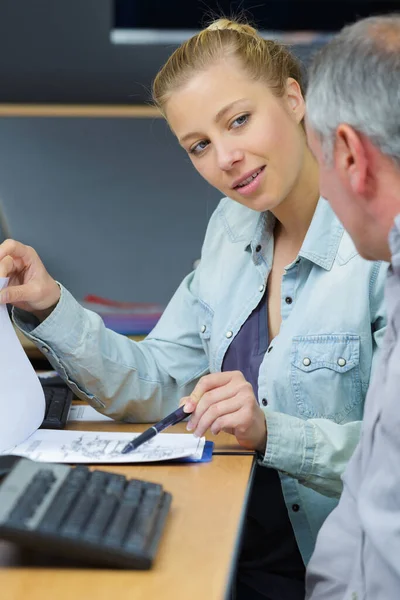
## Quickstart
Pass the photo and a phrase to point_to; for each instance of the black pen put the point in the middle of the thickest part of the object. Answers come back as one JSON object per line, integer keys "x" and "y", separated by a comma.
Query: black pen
{"x": 175, "y": 417}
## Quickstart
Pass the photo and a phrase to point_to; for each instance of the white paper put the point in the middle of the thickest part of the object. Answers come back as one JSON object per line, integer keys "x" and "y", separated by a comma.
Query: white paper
{"x": 22, "y": 404}
{"x": 105, "y": 447}
{"x": 86, "y": 413}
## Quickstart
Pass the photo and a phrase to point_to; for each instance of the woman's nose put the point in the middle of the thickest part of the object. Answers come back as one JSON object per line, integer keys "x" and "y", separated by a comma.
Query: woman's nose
{"x": 228, "y": 157}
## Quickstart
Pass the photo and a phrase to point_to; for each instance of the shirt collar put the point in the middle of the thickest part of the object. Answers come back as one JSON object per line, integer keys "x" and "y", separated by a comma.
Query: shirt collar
{"x": 323, "y": 237}
{"x": 394, "y": 243}
{"x": 320, "y": 245}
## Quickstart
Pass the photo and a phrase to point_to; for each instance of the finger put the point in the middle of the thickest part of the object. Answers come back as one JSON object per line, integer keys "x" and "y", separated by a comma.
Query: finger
{"x": 215, "y": 412}
{"x": 184, "y": 402}
{"x": 213, "y": 397}
{"x": 6, "y": 266}
{"x": 17, "y": 293}
{"x": 207, "y": 383}
{"x": 16, "y": 250}
{"x": 228, "y": 423}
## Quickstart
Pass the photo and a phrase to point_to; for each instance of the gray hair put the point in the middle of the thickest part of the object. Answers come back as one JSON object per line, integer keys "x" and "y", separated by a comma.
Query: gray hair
{"x": 355, "y": 79}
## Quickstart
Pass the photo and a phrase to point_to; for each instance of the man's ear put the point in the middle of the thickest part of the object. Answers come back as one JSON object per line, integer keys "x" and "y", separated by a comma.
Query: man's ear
{"x": 351, "y": 159}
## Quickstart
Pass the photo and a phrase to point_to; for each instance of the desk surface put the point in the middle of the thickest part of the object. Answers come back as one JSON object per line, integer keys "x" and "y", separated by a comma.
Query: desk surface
{"x": 197, "y": 550}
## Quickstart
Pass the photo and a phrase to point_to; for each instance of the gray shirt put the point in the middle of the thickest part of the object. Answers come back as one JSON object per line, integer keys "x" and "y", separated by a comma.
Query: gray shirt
{"x": 357, "y": 555}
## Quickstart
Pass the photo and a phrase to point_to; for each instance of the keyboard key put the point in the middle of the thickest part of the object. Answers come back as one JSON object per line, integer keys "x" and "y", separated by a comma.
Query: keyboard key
{"x": 33, "y": 496}
{"x": 105, "y": 509}
{"x": 80, "y": 514}
{"x": 64, "y": 499}
{"x": 118, "y": 528}
{"x": 145, "y": 519}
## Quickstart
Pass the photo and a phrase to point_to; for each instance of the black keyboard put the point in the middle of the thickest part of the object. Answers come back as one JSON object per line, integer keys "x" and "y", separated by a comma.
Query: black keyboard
{"x": 58, "y": 402}
{"x": 97, "y": 517}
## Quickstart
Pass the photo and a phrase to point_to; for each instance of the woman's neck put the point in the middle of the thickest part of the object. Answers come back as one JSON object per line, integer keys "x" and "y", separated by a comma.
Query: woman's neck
{"x": 295, "y": 213}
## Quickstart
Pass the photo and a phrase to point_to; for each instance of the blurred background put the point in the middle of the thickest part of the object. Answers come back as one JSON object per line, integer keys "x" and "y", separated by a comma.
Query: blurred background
{"x": 110, "y": 202}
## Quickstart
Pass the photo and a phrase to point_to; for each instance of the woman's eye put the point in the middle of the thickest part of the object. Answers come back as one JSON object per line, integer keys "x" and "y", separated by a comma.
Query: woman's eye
{"x": 240, "y": 121}
{"x": 199, "y": 148}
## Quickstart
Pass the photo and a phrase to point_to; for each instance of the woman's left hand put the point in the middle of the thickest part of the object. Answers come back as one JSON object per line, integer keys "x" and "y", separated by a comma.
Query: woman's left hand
{"x": 226, "y": 402}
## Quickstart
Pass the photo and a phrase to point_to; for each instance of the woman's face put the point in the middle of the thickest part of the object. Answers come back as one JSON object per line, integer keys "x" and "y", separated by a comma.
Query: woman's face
{"x": 241, "y": 138}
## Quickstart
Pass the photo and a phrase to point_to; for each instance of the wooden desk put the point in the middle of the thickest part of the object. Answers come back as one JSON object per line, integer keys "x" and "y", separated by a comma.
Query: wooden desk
{"x": 197, "y": 551}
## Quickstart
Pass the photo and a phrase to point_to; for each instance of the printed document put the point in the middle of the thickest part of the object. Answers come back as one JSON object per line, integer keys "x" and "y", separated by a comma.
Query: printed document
{"x": 68, "y": 446}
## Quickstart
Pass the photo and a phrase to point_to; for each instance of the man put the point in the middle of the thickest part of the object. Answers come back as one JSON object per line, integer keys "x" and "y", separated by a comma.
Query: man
{"x": 353, "y": 127}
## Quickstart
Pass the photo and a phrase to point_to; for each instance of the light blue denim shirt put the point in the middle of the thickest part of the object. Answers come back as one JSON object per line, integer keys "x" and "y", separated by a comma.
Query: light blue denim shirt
{"x": 314, "y": 375}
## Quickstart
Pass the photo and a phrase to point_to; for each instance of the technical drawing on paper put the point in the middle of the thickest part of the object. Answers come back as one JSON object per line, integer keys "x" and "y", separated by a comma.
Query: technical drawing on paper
{"x": 100, "y": 448}
{"x": 106, "y": 447}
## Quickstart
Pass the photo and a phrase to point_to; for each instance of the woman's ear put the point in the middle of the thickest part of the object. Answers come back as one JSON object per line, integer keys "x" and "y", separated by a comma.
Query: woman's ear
{"x": 295, "y": 99}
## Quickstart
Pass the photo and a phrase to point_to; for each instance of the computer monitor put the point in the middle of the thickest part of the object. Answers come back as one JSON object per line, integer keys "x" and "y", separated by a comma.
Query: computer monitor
{"x": 160, "y": 22}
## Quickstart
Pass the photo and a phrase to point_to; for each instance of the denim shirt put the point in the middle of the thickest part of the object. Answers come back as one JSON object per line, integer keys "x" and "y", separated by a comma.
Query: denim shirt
{"x": 314, "y": 375}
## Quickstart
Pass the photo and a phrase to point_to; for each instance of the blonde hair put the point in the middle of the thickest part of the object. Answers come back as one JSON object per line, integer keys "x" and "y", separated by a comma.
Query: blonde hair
{"x": 262, "y": 59}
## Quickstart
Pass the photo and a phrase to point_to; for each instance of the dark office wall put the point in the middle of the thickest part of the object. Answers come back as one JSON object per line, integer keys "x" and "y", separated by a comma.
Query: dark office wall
{"x": 113, "y": 206}
{"x": 60, "y": 51}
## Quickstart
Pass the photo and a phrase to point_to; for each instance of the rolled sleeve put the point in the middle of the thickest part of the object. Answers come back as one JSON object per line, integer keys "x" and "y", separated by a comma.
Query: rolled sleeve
{"x": 64, "y": 326}
{"x": 290, "y": 444}
{"x": 314, "y": 451}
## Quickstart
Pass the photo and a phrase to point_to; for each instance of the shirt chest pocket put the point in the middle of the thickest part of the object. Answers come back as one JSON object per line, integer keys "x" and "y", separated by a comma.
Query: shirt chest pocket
{"x": 325, "y": 376}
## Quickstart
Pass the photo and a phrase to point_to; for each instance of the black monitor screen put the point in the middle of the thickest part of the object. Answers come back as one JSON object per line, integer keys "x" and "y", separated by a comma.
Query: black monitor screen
{"x": 269, "y": 15}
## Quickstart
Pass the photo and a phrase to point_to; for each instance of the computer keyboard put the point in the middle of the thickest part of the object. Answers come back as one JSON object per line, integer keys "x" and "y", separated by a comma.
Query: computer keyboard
{"x": 97, "y": 517}
{"x": 58, "y": 398}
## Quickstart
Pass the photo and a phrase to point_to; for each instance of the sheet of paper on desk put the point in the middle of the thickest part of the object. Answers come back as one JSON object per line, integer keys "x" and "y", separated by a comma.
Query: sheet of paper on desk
{"x": 86, "y": 413}
{"x": 68, "y": 446}
{"x": 22, "y": 403}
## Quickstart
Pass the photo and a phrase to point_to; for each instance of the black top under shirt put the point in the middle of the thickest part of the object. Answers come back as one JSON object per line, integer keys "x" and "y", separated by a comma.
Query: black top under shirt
{"x": 269, "y": 561}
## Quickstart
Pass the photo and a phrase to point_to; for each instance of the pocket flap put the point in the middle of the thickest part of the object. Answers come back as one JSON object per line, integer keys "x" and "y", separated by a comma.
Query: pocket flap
{"x": 339, "y": 352}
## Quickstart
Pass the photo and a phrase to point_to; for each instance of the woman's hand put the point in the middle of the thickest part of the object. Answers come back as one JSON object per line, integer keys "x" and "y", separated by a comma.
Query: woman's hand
{"x": 226, "y": 402}
{"x": 30, "y": 286}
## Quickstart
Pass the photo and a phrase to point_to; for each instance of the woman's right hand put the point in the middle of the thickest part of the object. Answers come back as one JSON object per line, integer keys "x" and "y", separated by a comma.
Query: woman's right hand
{"x": 30, "y": 286}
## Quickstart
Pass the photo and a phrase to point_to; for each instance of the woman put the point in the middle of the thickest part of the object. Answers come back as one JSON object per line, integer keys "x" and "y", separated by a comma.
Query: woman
{"x": 272, "y": 337}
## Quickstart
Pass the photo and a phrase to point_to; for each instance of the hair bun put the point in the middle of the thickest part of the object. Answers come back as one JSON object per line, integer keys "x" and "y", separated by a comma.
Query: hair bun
{"x": 223, "y": 23}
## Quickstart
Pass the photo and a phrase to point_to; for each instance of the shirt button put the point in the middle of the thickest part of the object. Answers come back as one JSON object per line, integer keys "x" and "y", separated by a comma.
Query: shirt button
{"x": 295, "y": 508}
{"x": 258, "y": 248}
{"x": 264, "y": 402}
{"x": 306, "y": 362}
{"x": 229, "y": 334}
{"x": 288, "y": 300}
{"x": 261, "y": 288}
{"x": 44, "y": 349}
{"x": 203, "y": 328}
{"x": 269, "y": 349}
{"x": 341, "y": 362}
